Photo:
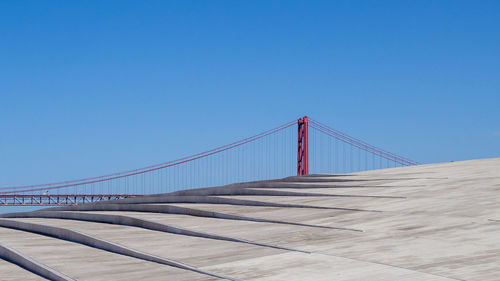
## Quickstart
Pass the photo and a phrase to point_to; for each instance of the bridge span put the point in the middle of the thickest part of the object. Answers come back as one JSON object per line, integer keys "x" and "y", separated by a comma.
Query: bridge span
{"x": 299, "y": 147}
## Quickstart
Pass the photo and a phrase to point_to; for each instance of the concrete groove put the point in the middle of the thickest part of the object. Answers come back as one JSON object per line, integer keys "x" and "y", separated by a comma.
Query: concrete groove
{"x": 31, "y": 265}
{"x": 169, "y": 209}
{"x": 219, "y": 200}
{"x": 250, "y": 192}
{"x": 84, "y": 239}
{"x": 321, "y": 186}
{"x": 323, "y": 179}
{"x": 137, "y": 222}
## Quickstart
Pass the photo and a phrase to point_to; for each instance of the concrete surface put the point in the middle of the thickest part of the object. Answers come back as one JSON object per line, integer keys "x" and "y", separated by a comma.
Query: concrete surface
{"x": 10, "y": 272}
{"x": 37, "y": 268}
{"x": 428, "y": 222}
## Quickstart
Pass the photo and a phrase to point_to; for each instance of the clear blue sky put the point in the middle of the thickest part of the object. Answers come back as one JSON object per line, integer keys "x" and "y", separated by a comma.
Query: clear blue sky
{"x": 91, "y": 87}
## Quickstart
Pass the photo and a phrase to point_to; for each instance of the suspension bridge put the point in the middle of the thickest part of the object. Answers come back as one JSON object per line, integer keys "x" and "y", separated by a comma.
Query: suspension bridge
{"x": 302, "y": 147}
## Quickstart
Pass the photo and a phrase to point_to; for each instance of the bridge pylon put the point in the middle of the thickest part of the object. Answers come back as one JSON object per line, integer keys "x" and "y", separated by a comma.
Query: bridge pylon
{"x": 303, "y": 146}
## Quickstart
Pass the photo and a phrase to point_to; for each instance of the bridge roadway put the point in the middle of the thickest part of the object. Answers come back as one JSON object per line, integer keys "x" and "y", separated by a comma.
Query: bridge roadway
{"x": 427, "y": 222}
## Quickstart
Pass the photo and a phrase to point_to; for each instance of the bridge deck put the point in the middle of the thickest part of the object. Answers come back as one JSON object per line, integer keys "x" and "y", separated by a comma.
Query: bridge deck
{"x": 57, "y": 199}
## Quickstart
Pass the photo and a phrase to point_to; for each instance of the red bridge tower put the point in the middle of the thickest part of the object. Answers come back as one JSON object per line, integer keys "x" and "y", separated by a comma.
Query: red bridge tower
{"x": 303, "y": 147}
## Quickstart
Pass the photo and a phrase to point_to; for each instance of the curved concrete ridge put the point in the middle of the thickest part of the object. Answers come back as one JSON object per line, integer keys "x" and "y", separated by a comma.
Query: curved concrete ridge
{"x": 84, "y": 239}
{"x": 360, "y": 178}
{"x": 31, "y": 265}
{"x": 322, "y": 186}
{"x": 170, "y": 209}
{"x": 323, "y": 178}
{"x": 214, "y": 191}
{"x": 298, "y": 184}
{"x": 166, "y": 198}
{"x": 332, "y": 179}
{"x": 137, "y": 222}
{"x": 244, "y": 188}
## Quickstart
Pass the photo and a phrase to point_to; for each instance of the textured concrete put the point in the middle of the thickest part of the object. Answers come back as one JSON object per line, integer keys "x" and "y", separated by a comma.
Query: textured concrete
{"x": 85, "y": 263}
{"x": 9, "y": 271}
{"x": 428, "y": 222}
{"x": 15, "y": 257}
{"x": 132, "y": 221}
{"x": 91, "y": 241}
